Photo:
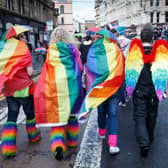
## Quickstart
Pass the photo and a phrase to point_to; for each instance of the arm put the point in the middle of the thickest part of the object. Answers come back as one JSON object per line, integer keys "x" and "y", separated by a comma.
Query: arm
{"x": 30, "y": 71}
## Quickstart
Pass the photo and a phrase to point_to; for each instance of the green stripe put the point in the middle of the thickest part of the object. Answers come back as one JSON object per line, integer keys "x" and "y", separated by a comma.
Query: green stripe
{"x": 66, "y": 60}
{"x": 101, "y": 61}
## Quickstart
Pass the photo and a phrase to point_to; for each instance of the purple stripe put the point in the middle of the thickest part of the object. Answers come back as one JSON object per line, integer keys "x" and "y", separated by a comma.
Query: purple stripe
{"x": 76, "y": 68}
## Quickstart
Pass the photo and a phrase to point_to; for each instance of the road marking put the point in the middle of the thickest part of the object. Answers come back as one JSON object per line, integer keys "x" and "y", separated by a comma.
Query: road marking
{"x": 89, "y": 155}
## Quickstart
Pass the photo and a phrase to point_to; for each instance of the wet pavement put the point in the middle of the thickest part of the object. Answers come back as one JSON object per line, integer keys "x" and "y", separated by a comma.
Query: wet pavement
{"x": 38, "y": 155}
{"x": 129, "y": 154}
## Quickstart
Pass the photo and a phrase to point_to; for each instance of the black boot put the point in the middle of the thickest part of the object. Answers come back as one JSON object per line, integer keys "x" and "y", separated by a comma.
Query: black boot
{"x": 144, "y": 151}
{"x": 59, "y": 153}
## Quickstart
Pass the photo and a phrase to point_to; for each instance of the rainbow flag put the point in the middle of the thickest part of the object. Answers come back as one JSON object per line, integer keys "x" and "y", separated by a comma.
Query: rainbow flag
{"x": 58, "y": 92}
{"x": 106, "y": 65}
{"x": 14, "y": 55}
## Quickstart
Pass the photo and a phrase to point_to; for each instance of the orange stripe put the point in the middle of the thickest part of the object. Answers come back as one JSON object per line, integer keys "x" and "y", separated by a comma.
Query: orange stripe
{"x": 21, "y": 48}
{"x": 51, "y": 108}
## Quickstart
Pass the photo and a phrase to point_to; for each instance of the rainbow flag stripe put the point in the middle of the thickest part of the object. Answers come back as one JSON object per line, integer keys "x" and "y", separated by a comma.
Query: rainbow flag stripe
{"x": 58, "y": 92}
{"x": 106, "y": 64}
{"x": 14, "y": 55}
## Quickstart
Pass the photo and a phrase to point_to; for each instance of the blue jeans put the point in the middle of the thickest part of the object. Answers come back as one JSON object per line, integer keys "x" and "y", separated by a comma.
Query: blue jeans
{"x": 14, "y": 105}
{"x": 108, "y": 111}
{"x": 122, "y": 92}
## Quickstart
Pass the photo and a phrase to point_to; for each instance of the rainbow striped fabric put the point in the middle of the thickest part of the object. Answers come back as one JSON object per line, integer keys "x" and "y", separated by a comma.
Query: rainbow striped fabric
{"x": 159, "y": 60}
{"x": 13, "y": 57}
{"x": 106, "y": 67}
{"x": 58, "y": 92}
{"x": 8, "y": 137}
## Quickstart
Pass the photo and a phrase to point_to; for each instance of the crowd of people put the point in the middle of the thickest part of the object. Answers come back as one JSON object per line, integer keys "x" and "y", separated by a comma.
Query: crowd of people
{"x": 104, "y": 72}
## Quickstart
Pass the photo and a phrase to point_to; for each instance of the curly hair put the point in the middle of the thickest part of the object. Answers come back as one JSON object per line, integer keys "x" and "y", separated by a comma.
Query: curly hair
{"x": 60, "y": 34}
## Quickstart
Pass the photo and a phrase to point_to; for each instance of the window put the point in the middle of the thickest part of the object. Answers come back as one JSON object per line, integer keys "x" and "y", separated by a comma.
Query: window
{"x": 151, "y": 17}
{"x": 157, "y": 17}
{"x": 157, "y": 2}
{"x": 9, "y": 4}
{"x": 140, "y": 3}
{"x": 151, "y": 2}
{"x": 166, "y": 18}
{"x": 62, "y": 20}
{"x": 21, "y": 6}
{"x": 166, "y": 2}
{"x": 62, "y": 9}
{"x": 31, "y": 8}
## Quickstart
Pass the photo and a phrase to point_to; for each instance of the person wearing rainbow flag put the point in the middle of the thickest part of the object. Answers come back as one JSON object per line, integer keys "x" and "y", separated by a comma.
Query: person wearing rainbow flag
{"x": 15, "y": 74}
{"x": 58, "y": 93}
{"x": 146, "y": 77}
{"x": 105, "y": 64}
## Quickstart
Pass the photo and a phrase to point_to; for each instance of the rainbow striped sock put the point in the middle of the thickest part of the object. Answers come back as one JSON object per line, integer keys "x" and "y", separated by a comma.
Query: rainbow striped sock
{"x": 8, "y": 137}
{"x": 72, "y": 131}
{"x": 57, "y": 138}
{"x": 34, "y": 134}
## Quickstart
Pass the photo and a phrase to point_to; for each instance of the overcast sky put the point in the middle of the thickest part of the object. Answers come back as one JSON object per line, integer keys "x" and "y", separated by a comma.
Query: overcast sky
{"x": 83, "y": 9}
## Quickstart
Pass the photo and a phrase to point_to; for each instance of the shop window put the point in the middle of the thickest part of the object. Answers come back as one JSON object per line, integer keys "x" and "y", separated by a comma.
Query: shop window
{"x": 62, "y": 9}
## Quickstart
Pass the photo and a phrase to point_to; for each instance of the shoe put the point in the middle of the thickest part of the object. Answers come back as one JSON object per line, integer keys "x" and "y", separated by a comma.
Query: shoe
{"x": 59, "y": 153}
{"x": 101, "y": 137}
{"x": 122, "y": 104}
{"x": 144, "y": 151}
{"x": 101, "y": 133}
{"x": 114, "y": 150}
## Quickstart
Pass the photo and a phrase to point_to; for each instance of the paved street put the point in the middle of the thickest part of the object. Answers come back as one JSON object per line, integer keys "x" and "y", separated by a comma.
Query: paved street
{"x": 91, "y": 152}
{"x": 129, "y": 155}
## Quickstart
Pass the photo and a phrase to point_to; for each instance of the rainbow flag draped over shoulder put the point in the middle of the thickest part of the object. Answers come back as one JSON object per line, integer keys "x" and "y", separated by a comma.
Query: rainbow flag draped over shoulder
{"x": 106, "y": 66}
{"x": 14, "y": 55}
{"x": 135, "y": 62}
{"x": 58, "y": 93}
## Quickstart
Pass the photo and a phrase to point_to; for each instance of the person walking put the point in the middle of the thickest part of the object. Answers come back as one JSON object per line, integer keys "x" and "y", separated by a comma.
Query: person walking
{"x": 58, "y": 93}
{"x": 146, "y": 78}
{"x": 15, "y": 74}
{"x": 106, "y": 66}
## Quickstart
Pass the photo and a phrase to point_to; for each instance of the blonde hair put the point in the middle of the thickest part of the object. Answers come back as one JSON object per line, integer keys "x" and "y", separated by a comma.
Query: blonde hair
{"x": 60, "y": 34}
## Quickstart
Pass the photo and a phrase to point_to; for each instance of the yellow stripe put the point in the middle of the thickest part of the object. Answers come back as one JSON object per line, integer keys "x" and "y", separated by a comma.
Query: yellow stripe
{"x": 7, "y": 52}
{"x": 94, "y": 102}
{"x": 61, "y": 84}
{"x": 111, "y": 55}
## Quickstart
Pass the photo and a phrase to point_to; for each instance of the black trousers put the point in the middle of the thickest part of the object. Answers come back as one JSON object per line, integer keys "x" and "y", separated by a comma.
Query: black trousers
{"x": 145, "y": 116}
{"x": 14, "y": 106}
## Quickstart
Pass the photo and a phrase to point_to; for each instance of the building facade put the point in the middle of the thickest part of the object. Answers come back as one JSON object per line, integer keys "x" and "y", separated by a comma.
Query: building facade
{"x": 32, "y": 13}
{"x": 129, "y": 12}
{"x": 65, "y": 17}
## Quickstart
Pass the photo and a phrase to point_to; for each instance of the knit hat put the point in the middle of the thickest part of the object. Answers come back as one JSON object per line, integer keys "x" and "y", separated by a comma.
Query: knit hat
{"x": 121, "y": 30}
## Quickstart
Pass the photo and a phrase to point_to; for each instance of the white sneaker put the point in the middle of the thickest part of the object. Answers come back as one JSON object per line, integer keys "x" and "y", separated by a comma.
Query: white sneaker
{"x": 122, "y": 104}
{"x": 114, "y": 150}
{"x": 101, "y": 137}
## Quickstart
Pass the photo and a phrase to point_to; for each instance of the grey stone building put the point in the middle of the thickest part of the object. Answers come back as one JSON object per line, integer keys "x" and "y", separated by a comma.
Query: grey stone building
{"x": 129, "y": 12}
{"x": 36, "y": 14}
